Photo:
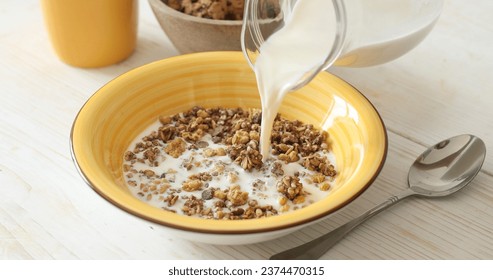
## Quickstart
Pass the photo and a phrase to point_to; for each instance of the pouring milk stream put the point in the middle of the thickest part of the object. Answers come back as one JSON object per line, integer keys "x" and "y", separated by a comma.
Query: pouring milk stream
{"x": 281, "y": 63}
{"x": 311, "y": 40}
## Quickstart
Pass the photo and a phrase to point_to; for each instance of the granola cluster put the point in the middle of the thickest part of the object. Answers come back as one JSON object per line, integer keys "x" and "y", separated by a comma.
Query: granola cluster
{"x": 221, "y": 9}
{"x": 213, "y": 9}
{"x": 211, "y": 149}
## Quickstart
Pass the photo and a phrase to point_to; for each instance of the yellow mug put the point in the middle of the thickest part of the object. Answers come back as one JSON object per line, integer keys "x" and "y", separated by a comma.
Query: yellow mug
{"x": 91, "y": 33}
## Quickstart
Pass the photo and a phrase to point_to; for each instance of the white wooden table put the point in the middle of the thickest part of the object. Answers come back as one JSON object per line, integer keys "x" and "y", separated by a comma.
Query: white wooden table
{"x": 442, "y": 88}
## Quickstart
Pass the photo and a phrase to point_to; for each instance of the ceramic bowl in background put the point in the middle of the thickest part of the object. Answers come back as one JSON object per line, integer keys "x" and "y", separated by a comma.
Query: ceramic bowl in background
{"x": 123, "y": 108}
{"x": 193, "y": 34}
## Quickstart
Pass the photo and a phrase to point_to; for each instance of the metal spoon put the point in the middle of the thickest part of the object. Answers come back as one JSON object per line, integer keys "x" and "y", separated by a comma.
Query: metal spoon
{"x": 441, "y": 170}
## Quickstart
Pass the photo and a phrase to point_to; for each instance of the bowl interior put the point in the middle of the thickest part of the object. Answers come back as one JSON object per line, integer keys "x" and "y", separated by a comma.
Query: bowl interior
{"x": 123, "y": 108}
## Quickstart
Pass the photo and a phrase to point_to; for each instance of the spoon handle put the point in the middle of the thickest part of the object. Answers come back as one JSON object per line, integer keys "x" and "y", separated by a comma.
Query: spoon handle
{"x": 317, "y": 247}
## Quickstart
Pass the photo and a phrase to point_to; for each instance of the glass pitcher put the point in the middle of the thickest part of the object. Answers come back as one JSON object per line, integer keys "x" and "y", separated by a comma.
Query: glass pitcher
{"x": 362, "y": 32}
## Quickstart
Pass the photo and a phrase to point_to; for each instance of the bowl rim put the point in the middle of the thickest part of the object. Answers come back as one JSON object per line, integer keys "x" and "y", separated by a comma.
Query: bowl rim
{"x": 222, "y": 231}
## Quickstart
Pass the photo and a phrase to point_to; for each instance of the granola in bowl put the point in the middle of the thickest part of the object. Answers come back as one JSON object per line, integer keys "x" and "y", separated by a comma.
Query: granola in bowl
{"x": 206, "y": 163}
{"x": 221, "y": 9}
{"x": 213, "y": 9}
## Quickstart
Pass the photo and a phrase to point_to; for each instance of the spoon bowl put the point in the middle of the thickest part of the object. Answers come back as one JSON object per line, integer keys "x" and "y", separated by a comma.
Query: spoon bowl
{"x": 447, "y": 166}
{"x": 442, "y": 169}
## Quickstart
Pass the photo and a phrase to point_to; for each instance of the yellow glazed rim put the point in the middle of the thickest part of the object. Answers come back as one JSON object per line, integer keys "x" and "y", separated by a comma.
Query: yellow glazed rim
{"x": 123, "y": 108}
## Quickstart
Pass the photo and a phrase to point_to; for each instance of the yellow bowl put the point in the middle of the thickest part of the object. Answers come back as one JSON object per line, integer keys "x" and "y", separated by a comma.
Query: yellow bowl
{"x": 123, "y": 108}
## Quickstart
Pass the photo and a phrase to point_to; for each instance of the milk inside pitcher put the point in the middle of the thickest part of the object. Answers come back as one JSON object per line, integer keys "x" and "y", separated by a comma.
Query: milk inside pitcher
{"x": 357, "y": 33}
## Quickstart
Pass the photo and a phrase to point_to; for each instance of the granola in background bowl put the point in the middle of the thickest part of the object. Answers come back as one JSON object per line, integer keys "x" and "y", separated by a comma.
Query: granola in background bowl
{"x": 208, "y": 25}
{"x": 213, "y": 9}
